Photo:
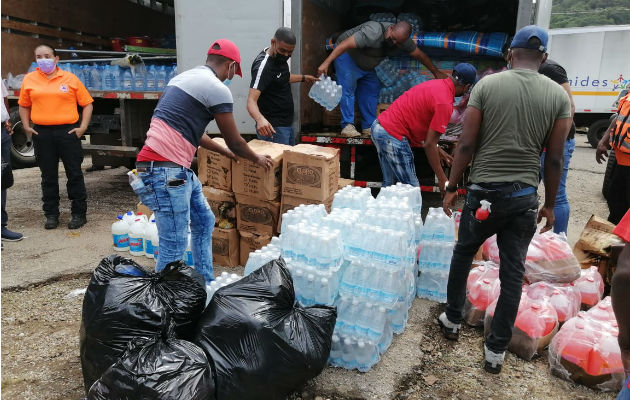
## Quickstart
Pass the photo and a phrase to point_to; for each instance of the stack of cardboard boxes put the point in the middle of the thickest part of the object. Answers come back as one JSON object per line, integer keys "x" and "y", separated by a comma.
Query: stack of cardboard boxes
{"x": 310, "y": 175}
{"x": 248, "y": 201}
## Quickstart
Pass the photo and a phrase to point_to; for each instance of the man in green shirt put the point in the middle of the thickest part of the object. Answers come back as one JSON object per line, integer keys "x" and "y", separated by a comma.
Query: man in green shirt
{"x": 511, "y": 117}
{"x": 357, "y": 52}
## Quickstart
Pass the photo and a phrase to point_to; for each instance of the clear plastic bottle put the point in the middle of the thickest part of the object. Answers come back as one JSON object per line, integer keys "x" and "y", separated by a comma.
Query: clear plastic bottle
{"x": 127, "y": 80}
{"x": 151, "y": 79}
{"x": 161, "y": 78}
{"x": 139, "y": 82}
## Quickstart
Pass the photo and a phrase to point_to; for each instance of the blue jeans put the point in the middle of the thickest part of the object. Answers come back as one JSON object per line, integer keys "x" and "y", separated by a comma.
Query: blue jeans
{"x": 513, "y": 219}
{"x": 395, "y": 157}
{"x": 356, "y": 83}
{"x": 283, "y": 135}
{"x": 624, "y": 394}
{"x": 174, "y": 195}
{"x": 562, "y": 208}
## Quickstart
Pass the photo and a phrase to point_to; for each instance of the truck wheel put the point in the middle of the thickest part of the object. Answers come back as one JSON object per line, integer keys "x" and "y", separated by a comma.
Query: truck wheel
{"x": 596, "y": 131}
{"x": 22, "y": 149}
{"x": 610, "y": 167}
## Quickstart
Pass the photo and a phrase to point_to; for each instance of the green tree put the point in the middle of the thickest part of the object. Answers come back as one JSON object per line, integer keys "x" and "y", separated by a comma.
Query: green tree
{"x": 575, "y": 13}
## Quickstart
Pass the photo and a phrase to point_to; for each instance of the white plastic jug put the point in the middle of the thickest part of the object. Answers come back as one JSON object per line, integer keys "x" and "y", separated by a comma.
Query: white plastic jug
{"x": 151, "y": 239}
{"x": 129, "y": 217}
{"x": 136, "y": 237}
{"x": 120, "y": 234}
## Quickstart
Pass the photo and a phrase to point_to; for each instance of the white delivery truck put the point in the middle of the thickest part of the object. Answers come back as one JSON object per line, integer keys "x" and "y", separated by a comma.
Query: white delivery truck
{"x": 597, "y": 61}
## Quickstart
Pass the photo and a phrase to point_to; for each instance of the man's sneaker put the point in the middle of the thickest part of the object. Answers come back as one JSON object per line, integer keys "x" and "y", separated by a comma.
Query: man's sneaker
{"x": 350, "y": 131}
{"x": 10, "y": 236}
{"x": 52, "y": 221}
{"x": 449, "y": 329}
{"x": 366, "y": 132}
{"x": 493, "y": 361}
{"x": 77, "y": 221}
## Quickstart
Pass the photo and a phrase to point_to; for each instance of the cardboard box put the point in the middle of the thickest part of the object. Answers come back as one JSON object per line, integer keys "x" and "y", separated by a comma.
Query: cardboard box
{"x": 141, "y": 208}
{"x": 225, "y": 247}
{"x": 595, "y": 241}
{"x": 223, "y": 205}
{"x": 290, "y": 202}
{"x": 252, "y": 180}
{"x": 251, "y": 241}
{"x": 255, "y": 215}
{"x": 310, "y": 172}
{"x": 343, "y": 182}
{"x": 214, "y": 169}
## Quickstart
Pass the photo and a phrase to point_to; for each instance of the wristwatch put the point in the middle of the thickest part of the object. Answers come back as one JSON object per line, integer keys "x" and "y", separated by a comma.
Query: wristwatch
{"x": 450, "y": 189}
{"x": 303, "y": 78}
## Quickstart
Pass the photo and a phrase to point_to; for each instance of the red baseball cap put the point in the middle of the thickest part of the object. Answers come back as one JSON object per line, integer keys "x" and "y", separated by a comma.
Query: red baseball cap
{"x": 228, "y": 49}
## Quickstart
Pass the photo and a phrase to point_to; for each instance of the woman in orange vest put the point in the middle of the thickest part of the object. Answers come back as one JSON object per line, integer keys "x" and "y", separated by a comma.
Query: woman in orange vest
{"x": 617, "y": 137}
{"x": 49, "y": 97}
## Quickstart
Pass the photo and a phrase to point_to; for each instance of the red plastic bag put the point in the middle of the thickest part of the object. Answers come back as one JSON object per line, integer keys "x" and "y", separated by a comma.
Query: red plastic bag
{"x": 549, "y": 258}
{"x": 591, "y": 287}
{"x": 535, "y": 325}
{"x": 564, "y": 297}
{"x": 483, "y": 287}
{"x": 586, "y": 351}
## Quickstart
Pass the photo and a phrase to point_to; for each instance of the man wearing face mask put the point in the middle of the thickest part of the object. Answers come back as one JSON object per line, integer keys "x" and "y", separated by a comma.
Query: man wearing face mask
{"x": 270, "y": 102}
{"x": 171, "y": 190}
{"x": 357, "y": 52}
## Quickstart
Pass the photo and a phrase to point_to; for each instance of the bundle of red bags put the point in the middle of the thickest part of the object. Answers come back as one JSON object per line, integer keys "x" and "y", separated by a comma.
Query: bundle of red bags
{"x": 549, "y": 258}
{"x": 482, "y": 288}
{"x": 586, "y": 350}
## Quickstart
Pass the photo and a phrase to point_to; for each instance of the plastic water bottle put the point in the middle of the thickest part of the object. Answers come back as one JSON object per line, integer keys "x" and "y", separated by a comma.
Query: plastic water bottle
{"x": 120, "y": 234}
{"x": 134, "y": 180}
{"x": 97, "y": 78}
{"x": 136, "y": 238}
{"x": 161, "y": 78}
{"x": 188, "y": 256}
{"x": 151, "y": 79}
{"x": 151, "y": 239}
{"x": 127, "y": 80}
{"x": 139, "y": 82}
{"x": 172, "y": 73}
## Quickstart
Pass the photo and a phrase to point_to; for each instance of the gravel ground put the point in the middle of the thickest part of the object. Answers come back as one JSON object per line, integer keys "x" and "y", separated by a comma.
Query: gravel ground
{"x": 40, "y": 323}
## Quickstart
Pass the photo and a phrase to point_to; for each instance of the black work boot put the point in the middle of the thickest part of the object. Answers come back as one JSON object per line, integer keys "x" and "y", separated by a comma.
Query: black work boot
{"x": 52, "y": 221}
{"x": 77, "y": 221}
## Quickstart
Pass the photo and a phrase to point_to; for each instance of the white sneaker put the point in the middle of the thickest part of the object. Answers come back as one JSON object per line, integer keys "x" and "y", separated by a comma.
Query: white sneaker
{"x": 350, "y": 131}
{"x": 493, "y": 361}
{"x": 366, "y": 132}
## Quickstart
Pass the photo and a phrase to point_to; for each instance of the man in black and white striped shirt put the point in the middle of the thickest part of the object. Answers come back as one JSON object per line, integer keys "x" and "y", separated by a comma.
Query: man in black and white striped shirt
{"x": 269, "y": 101}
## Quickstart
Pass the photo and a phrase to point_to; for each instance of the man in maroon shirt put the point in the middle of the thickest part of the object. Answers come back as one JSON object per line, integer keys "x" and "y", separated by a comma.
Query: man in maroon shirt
{"x": 417, "y": 119}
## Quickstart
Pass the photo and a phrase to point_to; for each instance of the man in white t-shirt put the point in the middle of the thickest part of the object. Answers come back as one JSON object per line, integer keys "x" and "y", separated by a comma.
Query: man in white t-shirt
{"x": 7, "y": 131}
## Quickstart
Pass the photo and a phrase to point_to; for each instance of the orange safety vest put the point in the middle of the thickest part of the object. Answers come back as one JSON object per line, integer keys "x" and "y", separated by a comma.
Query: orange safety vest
{"x": 620, "y": 132}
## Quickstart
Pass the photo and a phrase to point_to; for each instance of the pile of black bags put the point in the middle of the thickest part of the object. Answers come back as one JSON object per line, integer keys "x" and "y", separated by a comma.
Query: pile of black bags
{"x": 146, "y": 335}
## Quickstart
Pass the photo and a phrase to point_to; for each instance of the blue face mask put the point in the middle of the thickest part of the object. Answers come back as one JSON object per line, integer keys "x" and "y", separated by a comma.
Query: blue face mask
{"x": 46, "y": 65}
{"x": 229, "y": 80}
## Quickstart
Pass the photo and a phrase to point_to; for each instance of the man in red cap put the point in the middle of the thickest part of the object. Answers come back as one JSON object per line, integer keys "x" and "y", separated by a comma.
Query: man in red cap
{"x": 171, "y": 190}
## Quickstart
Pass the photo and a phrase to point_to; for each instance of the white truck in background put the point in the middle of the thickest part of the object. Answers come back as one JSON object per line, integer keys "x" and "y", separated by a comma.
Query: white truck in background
{"x": 597, "y": 61}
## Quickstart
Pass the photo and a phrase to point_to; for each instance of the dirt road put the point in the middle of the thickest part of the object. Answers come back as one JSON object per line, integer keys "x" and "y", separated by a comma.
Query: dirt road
{"x": 40, "y": 323}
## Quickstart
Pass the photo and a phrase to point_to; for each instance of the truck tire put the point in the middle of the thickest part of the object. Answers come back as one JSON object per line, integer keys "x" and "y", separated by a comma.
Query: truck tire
{"x": 610, "y": 168}
{"x": 22, "y": 150}
{"x": 596, "y": 131}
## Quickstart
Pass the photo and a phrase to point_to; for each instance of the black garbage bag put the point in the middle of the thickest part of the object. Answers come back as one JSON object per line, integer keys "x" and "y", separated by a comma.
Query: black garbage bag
{"x": 124, "y": 301}
{"x": 158, "y": 368}
{"x": 262, "y": 344}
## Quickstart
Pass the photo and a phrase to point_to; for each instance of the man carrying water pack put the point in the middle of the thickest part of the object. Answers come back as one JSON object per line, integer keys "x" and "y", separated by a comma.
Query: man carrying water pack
{"x": 171, "y": 190}
{"x": 511, "y": 117}
{"x": 357, "y": 52}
